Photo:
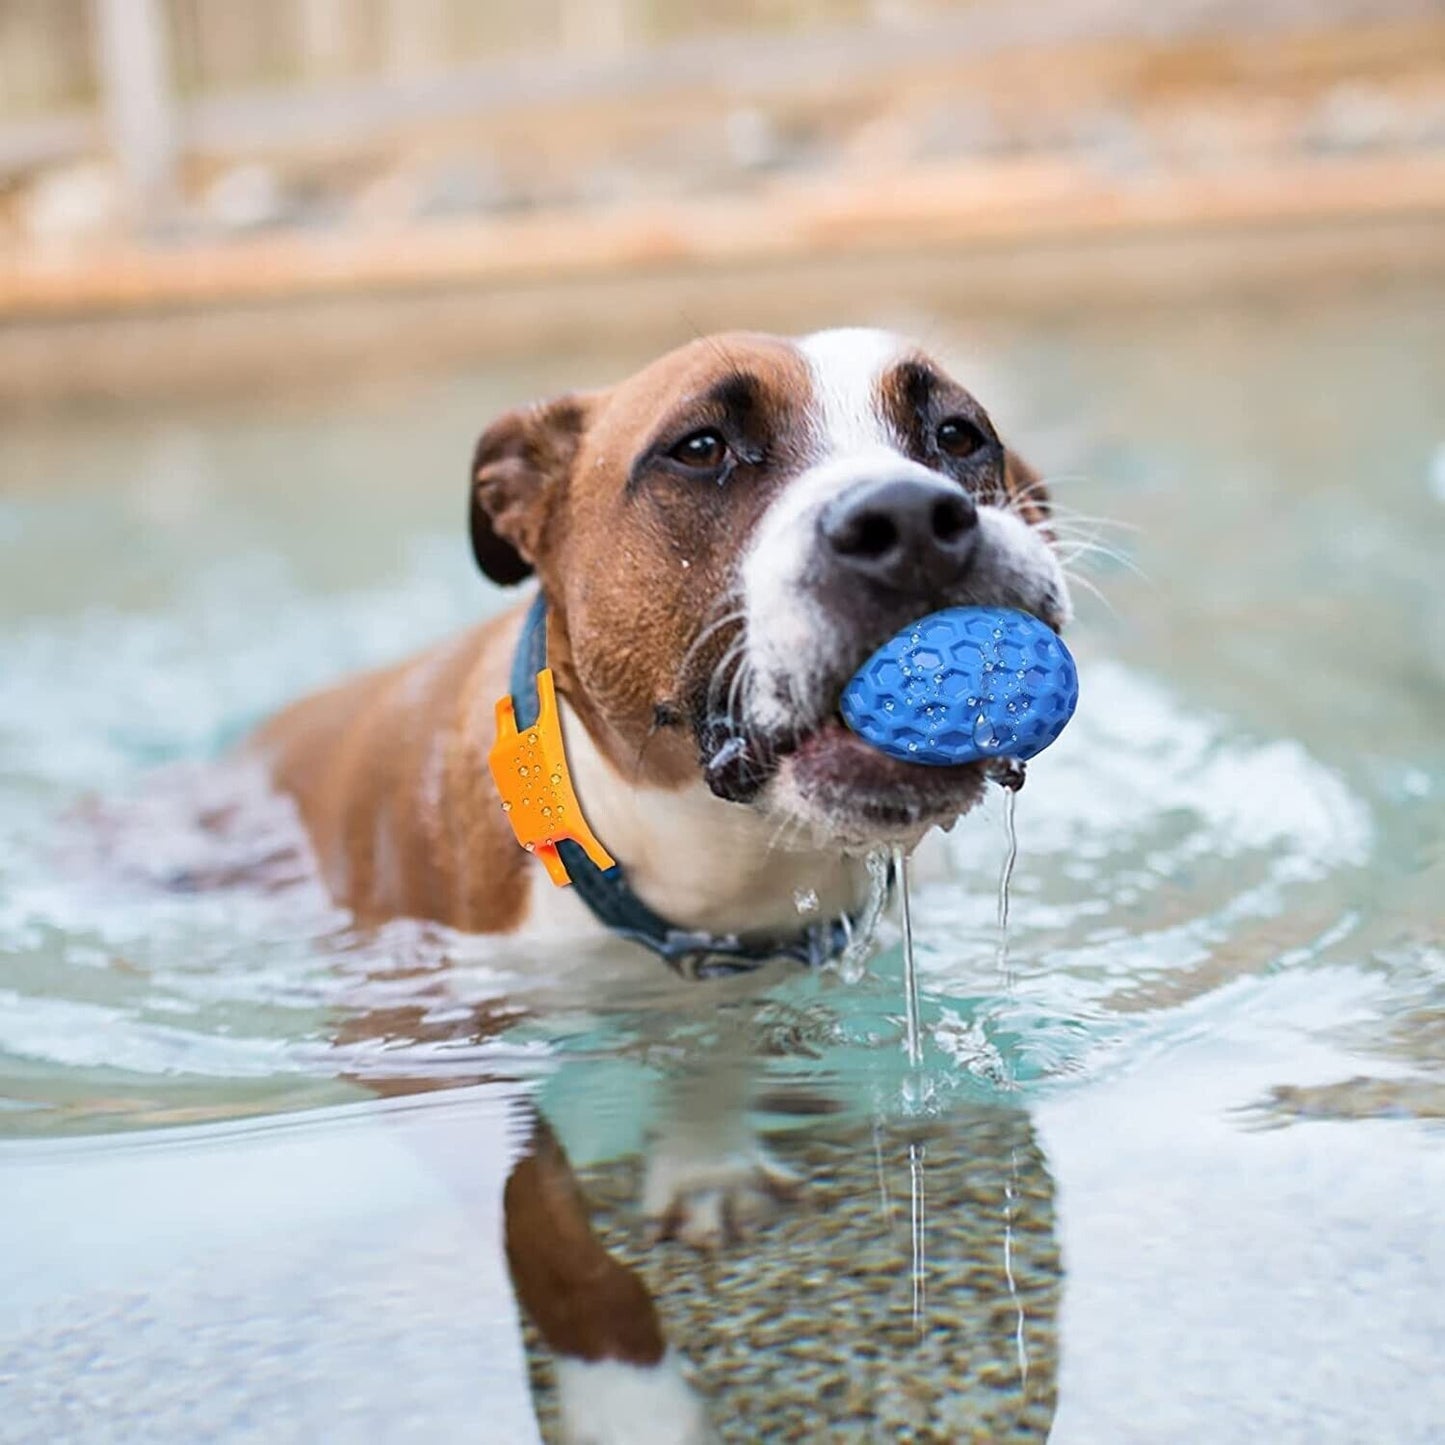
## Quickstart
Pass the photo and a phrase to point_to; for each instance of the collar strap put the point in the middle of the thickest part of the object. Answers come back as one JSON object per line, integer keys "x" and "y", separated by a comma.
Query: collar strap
{"x": 529, "y": 767}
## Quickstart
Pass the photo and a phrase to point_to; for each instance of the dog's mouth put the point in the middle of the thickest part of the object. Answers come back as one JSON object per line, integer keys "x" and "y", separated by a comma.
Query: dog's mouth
{"x": 830, "y": 777}
{"x": 856, "y": 790}
{"x": 819, "y": 772}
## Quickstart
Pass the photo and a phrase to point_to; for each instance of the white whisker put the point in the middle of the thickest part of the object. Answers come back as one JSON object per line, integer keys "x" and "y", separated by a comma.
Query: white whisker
{"x": 1075, "y": 580}
{"x": 1073, "y": 551}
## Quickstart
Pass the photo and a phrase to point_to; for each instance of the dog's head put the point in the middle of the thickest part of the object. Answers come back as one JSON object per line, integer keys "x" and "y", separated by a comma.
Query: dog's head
{"x": 724, "y": 538}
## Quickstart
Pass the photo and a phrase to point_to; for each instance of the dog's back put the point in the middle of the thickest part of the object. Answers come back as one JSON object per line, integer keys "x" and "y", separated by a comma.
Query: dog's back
{"x": 389, "y": 773}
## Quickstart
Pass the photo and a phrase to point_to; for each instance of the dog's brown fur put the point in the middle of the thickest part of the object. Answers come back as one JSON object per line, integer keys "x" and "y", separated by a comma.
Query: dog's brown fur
{"x": 389, "y": 771}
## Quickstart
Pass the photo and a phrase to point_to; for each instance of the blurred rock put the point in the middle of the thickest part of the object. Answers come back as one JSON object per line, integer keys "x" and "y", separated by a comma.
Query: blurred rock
{"x": 1354, "y": 117}
{"x": 752, "y": 138}
{"x": 246, "y": 197}
{"x": 72, "y": 203}
{"x": 462, "y": 187}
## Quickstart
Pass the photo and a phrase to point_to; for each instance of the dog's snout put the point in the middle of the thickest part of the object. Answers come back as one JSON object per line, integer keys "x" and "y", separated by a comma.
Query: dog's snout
{"x": 902, "y": 533}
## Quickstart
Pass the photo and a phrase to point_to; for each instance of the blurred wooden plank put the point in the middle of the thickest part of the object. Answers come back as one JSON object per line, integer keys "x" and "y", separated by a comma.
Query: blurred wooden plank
{"x": 294, "y": 350}
{"x": 49, "y": 140}
{"x": 339, "y": 101}
{"x": 985, "y": 53}
{"x": 935, "y": 206}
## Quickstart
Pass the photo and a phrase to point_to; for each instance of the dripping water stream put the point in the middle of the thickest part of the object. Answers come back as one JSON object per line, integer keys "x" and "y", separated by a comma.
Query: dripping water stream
{"x": 915, "y": 1091}
{"x": 912, "y": 1026}
{"x": 913, "y": 1043}
{"x": 1006, "y": 982}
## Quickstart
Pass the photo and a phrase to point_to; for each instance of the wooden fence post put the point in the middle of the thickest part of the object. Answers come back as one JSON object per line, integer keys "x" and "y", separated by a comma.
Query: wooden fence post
{"x": 133, "y": 60}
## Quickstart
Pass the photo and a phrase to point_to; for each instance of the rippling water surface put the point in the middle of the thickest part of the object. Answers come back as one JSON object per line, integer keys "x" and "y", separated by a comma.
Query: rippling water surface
{"x": 1182, "y": 1168}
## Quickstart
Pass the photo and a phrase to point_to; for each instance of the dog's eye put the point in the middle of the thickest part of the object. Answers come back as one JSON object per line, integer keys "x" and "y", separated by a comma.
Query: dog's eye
{"x": 703, "y": 449}
{"x": 958, "y": 437}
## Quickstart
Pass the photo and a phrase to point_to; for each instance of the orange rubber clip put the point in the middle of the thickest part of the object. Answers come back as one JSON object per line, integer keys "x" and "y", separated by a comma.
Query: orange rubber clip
{"x": 530, "y": 771}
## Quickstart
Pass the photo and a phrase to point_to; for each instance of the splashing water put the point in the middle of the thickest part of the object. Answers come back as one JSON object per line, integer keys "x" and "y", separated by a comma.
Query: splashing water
{"x": 865, "y": 928}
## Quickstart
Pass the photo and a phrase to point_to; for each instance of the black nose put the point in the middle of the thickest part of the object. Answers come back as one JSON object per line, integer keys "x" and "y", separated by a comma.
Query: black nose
{"x": 909, "y": 533}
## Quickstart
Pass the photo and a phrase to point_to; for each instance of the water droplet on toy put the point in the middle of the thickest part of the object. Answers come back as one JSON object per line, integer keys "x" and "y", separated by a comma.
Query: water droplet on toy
{"x": 532, "y": 738}
{"x": 998, "y": 632}
{"x": 522, "y": 771}
{"x": 530, "y": 847}
{"x": 805, "y": 900}
{"x": 887, "y": 704}
{"x": 546, "y": 812}
{"x": 556, "y": 779}
{"x": 912, "y": 747}
{"x": 506, "y": 806}
{"x": 937, "y": 679}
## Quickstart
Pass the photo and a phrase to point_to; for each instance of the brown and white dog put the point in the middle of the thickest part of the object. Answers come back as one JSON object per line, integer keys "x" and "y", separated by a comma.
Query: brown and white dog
{"x": 721, "y": 539}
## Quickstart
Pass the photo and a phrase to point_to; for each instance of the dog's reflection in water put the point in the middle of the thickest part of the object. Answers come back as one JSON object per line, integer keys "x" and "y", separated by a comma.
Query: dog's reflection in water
{"x": 806, "y": 1321}
{"x": 750, "y": 1273}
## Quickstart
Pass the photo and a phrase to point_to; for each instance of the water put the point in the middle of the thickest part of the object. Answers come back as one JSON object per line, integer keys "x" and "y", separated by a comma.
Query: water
{"x": 1176, "y": 1171}
{"x": 918, "y": 1237}
{"x": 912, "y": 1027}
{"x": 917, "y": 1090}
{"x": 916, "y": 1094}
{"x": 1006, "y": 988}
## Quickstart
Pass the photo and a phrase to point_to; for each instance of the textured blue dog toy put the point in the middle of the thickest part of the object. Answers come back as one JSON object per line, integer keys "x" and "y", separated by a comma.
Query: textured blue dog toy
{"x": 963, "y": 685}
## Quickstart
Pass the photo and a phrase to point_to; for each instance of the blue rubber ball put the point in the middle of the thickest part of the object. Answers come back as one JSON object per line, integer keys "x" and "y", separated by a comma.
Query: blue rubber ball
{"x": 962, "y": 685}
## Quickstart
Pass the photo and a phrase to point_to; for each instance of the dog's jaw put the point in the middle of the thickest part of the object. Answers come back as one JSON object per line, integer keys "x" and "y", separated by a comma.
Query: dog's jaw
{"x": 835, "y": 787}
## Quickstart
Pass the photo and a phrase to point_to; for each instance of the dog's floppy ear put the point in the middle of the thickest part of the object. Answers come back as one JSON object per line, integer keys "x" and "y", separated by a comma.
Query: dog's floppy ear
{"x": 521, "y": 463}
